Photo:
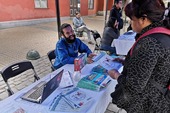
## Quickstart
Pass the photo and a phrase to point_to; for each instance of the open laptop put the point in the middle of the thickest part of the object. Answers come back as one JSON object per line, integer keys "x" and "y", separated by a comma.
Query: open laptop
{"x": 42, "y": 90}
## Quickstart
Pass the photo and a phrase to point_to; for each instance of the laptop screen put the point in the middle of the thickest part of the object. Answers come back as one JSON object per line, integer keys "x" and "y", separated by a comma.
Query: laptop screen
{"x": 51, "y": 85}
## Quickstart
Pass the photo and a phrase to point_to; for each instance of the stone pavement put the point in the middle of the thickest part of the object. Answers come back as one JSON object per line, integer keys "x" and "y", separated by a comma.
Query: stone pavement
{"x": 16, "y": 42}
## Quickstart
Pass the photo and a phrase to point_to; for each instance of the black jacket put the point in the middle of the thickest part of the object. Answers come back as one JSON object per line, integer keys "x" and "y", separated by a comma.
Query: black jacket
{"x": 117, "y": 13}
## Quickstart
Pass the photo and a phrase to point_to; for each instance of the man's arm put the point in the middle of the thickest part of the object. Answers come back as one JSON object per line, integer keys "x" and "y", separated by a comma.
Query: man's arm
{"x": 83, "y": 48}
{"x": 63, "y": 55}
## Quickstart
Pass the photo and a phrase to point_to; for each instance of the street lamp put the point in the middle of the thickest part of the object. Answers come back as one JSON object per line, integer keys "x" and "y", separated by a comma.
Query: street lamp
{"x": 58, "y": 16}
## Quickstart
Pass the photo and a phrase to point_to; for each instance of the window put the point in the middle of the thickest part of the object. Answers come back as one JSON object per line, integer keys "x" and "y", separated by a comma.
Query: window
{"x": 40, "y": 3}
{"x": 91, "y": 4}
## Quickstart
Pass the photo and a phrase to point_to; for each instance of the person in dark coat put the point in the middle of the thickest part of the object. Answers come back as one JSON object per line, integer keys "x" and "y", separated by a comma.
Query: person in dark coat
{"x": 110, "y": 33}
{"x": 148, "y": 61}
{"x": 116, "y": 12}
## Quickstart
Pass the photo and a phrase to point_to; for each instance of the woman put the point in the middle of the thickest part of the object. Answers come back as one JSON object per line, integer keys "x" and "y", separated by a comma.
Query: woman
{"x": 147, "y": 61}
{"x": 110, "y": 33}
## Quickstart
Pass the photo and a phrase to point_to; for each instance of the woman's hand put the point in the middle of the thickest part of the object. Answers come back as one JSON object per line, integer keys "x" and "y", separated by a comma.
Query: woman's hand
{"x": 114, "y": 74}
{"x": 120, "y": 60}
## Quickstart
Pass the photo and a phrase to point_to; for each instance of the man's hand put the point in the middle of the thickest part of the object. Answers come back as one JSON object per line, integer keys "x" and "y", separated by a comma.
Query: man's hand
{"x": 89, "y": 58}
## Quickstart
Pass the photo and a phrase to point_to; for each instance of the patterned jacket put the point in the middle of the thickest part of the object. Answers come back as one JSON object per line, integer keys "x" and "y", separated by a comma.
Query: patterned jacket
{"x": 150, "y": 60}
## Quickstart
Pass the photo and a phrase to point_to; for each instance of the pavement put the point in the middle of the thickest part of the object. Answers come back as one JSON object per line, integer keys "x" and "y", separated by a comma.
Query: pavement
{"x": 17, "y": 41}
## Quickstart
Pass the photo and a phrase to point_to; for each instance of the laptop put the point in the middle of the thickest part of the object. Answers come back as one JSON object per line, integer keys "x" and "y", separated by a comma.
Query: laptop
{"x": 42, "y": 90}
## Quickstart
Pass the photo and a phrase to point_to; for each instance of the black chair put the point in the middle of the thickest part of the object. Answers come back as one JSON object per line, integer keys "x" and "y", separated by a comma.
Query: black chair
{"x": 97, "y": 39}
{"x": 51, "y": 55}
{"x": 14, "y": 70}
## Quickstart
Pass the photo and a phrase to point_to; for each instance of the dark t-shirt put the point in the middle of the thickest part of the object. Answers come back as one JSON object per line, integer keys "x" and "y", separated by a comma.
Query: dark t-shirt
{"x": 117, "y": 13}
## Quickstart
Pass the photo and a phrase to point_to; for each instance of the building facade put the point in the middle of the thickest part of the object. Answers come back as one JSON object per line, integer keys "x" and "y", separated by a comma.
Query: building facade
{"x": 15, "y": 10}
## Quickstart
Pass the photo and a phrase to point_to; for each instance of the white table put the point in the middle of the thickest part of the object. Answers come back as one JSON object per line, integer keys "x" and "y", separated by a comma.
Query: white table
{"x": 98, "y": 105}
{"x": 122, "y": 45}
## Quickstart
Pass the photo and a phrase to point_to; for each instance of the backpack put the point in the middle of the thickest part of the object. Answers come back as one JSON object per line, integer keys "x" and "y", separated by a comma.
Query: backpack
{"x": 164, "y": 90}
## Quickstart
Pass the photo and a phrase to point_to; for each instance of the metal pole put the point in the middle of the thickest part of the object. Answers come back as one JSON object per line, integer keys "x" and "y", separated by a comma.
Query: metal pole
{"x": 58, "y": 16}
{"x": 106, "y": 12}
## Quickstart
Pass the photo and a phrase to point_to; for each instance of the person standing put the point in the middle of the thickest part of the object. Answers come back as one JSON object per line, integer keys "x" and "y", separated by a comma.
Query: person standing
{"x": 81, "y": 26}
{"x": 116, "y": 12}
{"x": 68, "y": 47}
{"x": 146, "y": 63}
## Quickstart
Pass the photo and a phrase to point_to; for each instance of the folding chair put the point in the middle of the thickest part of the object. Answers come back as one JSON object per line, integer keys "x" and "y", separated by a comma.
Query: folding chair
{"x": 51, "y": 55}
{"x": 14, "y": 70}
{"x": 97, "y": 39}
{"x": 77, "y": 33}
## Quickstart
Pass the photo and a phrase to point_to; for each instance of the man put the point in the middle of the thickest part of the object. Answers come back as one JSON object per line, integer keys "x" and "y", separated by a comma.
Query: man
{"x": 68, "y": 47}
{"x": 81, "y": 26}
{"x": 116, "y": 12}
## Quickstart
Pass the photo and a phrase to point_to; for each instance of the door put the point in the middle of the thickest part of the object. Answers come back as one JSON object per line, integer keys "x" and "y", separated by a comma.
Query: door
{"x": 74, "y": 6}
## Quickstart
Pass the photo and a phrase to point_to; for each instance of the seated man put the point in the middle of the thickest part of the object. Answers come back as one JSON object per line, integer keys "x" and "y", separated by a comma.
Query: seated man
{"x": 80, "y": 26}
{"x": 68, "y": 47}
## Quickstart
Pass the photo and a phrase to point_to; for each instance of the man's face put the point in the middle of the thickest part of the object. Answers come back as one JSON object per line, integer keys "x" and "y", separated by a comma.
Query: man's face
{"x": 68, "y": 33}
{"x": 78, "y": 15}
{"x": 119, "y": 4}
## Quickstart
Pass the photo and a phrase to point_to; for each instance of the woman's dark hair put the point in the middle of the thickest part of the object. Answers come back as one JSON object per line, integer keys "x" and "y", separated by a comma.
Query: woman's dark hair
{"x": 128, "y": 10}
{"x": 151, "y": 9}
{"x": 111, "y": 22}
{"x": 168, "y": 4}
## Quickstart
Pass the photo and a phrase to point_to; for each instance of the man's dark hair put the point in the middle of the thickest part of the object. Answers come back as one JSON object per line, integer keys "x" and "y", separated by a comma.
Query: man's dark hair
{"x": 77, "y": 12}
{"x": 64, "y": 26}
{"x": 117, "y": 1}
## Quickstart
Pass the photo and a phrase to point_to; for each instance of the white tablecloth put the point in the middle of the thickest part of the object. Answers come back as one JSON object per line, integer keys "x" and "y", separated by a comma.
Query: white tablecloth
{"x": 98, "y": 105}
{"x": 122, "y": 45}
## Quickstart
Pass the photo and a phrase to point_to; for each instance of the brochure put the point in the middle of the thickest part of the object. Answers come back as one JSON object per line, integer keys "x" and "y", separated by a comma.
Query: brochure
{"x": 108, "y": 63}
{"x": 98, "y": 57}
{"x": 99, "y": 69}
{"x": 73, "y": 99}
{"x": 12, "y": 108}
{"x": 77, "y": 98}
{"x": 66, "y": 80}
{"x": 94, "y": 81}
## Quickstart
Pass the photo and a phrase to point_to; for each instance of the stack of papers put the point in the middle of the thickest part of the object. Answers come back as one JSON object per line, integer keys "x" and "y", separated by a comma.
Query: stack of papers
{"x": 66, "y": 80}
{"x": 98, "y": 57}
{"x": 12, "y": 108}
{"x": 108, "y": 63}
{"x": 94, "y": 81}
{"x": 75, "y": 98}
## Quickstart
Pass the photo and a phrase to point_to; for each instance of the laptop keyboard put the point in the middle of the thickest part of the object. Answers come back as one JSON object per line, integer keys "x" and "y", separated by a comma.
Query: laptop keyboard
{"x": 37, "y": 93}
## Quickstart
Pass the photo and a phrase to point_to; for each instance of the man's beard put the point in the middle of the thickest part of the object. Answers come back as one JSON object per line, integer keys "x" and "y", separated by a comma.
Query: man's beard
{"x": 69, "y": 40}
